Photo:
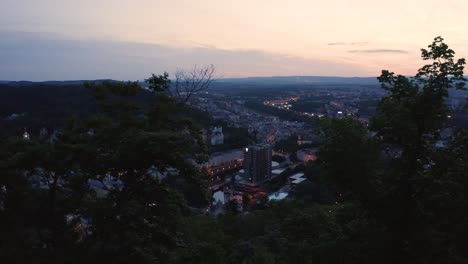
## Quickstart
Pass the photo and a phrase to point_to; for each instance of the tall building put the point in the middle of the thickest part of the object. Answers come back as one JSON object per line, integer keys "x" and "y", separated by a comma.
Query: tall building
{"x": 257, "y": 162}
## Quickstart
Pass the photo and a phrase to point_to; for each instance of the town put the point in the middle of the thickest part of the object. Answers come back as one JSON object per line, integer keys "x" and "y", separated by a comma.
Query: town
{"x": 273, "y": 166}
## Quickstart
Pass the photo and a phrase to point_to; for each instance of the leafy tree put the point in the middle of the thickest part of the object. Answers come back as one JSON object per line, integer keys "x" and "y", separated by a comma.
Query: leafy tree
{"x": 278, "y": 158}
{"x": 402, "y": 183}
{"x": 97, "y": 193}
{"x": 245, "y": 200}
{"x": 348, "y": 159}
{"x": 287, "y": 145}
{"x": 408, "y": 125}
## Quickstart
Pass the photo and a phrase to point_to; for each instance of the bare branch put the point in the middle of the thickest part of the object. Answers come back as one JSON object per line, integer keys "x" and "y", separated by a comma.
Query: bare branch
{"x": 193, "y": 81}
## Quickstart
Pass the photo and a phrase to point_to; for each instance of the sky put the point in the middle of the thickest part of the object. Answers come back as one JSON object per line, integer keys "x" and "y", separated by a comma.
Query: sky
{"x": 130, "y": 39}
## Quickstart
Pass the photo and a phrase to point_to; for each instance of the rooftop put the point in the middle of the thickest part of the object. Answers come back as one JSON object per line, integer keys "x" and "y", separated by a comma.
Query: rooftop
{"x": 296, "y": 176}
{"x": 297, "y": 181}
{"x": 277, "y": 196}
{"x": 278, "y": 171}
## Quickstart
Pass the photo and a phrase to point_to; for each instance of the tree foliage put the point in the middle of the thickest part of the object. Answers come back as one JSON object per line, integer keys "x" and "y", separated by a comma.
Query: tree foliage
{"x": 402, "y": 181}
{"x": 97, "y": 193}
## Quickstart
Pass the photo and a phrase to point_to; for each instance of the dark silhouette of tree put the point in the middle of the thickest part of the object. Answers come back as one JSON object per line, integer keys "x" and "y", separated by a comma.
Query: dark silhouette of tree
{"x": 398, "y": 178}
{"x": 409, "y": 124}
{"x": 99, "y": 193}
{"x": 189, "y": 82}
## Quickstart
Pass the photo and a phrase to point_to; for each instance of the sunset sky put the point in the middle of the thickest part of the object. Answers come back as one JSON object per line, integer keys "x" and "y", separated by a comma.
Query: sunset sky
{"x": 130, "y": 39}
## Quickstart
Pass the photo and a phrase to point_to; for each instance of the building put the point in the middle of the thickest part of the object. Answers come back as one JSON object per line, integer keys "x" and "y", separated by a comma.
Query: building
{"x": 217, "y": 136}
{"x": 278, "y": 196}
{"x": 297, "y": 179}
{"x": 26, "y": 135}
{"x": 222, "y": 162}
{"x": 275, "y": 165}
{"x": 306, "y": 155}
{"x": 309, "y": 139}
{"x": 257, "y": 162}
{"x": 276, "y": 172}
{"x": 219, "y": 197}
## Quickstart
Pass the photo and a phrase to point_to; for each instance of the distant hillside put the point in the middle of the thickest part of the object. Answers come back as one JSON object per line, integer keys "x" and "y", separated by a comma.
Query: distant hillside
{"x": 304, "y": 80}
{"x": 52, "y": 83}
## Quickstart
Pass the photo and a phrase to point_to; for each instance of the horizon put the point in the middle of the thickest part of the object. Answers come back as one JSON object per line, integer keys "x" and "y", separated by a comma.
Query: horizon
{"x": 216, "y": 79}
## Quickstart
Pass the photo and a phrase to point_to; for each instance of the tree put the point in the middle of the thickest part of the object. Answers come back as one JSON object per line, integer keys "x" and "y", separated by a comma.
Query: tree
{"x": 159, "y": 83}
{"x": 409, "y": 192}
{"x": 288, "y": 145}
{"x": 348, "y": 159}
{"x": 98, "y": 192}
{"x": 408, "y": 124}
{"x": 245, "y": 200}
{"x": 188, "y": 83}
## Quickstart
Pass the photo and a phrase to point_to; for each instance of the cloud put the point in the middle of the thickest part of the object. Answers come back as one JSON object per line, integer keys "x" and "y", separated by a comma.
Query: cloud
{"x": 40, "y": 57}
{"x": 336, "y": 44}
{"x": 348, "y": 43}
{"x": 378, "y": 51}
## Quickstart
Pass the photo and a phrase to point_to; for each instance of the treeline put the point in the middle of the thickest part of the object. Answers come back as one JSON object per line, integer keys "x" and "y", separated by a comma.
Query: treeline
{"x": 38, "y": 105}
{"x": 50, "y": 105}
